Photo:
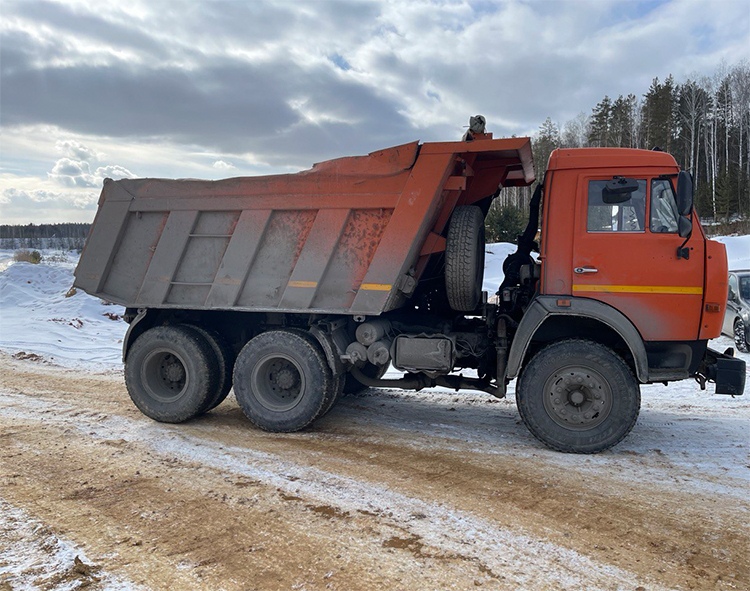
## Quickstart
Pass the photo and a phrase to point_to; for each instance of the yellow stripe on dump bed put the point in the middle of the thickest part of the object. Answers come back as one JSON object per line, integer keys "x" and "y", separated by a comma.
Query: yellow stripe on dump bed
{"x": 376, "y": 286}
{"x": 303, "y": 284}
{"x": 663, "y": 289}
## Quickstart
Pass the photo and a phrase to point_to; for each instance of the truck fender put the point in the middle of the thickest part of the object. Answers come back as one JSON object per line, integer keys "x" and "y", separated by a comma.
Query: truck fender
{"x": 135, "y": 329}
{"x": 544, "y": 307}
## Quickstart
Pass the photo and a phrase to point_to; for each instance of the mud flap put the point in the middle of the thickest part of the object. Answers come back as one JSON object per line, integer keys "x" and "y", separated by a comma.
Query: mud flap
{"x": 725, "y": 370}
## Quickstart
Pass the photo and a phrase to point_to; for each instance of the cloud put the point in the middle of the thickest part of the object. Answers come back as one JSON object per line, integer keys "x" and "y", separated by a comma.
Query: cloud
{"x": 76, "y": 150}
{"x": 72, "y": 173}
{"x": 77, "y": 173}
{"x": 221, "y": 165}
{"x": 40, "y": 199}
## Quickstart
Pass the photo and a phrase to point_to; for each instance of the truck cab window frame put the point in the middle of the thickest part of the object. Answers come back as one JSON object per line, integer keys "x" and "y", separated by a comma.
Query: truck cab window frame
{"x": 664, "y": 216}
{"x": 628, "y": 216}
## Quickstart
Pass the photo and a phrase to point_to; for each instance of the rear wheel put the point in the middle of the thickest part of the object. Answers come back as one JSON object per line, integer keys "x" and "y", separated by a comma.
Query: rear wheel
{"x": 224, "y": 362}
{"x": 578, "y": 396}
{"x": 281, "y": 380}
{"x": 740, "y": 336}
{"x": 170, "y": 373}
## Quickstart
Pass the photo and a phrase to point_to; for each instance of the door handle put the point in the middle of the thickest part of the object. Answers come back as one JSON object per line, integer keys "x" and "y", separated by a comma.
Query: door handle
{"x": 582, "y": 270}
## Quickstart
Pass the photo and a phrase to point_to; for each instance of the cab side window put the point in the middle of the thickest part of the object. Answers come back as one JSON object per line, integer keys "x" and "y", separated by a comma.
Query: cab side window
{"x": 627, "y": 216}
{"x": 664, "y": 215}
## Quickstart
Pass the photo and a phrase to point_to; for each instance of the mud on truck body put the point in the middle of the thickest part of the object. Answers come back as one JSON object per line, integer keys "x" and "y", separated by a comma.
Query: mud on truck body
{"x": 294, "y": 289}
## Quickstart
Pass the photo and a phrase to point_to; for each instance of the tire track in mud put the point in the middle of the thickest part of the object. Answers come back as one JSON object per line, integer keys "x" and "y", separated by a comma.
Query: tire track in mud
{"x": 425, "y": 529}
{"x": 461, "y": 514}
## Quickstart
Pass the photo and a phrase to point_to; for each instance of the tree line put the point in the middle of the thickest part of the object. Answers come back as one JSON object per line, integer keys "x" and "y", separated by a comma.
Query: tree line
{"x": 704, "y": 122}
{"x": 70, "y": 236}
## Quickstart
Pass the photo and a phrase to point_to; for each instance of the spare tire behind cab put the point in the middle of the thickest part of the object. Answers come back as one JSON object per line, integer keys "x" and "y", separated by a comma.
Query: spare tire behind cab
{"x": 464, "y": 258}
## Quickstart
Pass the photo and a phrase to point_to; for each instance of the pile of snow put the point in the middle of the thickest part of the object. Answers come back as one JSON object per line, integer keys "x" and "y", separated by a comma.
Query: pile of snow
{"x": 494, "y": 255}
{"x": 42, "y": 316}
{"x": 738, "y": 251}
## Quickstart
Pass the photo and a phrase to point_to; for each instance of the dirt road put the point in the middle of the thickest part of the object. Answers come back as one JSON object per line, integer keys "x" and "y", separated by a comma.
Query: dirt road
{"x": 387, "y": 492}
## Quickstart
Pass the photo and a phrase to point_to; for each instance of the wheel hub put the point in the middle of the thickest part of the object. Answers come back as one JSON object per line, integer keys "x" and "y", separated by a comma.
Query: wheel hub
{"x": 577, "y": 398}
{"x": 285, "y": 379}
{"x": 277, "y": 382}
{"x": 173, "y": 370}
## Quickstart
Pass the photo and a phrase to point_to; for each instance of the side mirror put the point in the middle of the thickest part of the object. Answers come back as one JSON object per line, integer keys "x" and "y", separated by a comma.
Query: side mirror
{"x": 684, "y": 193}
{"x": 684, "y": 227}
{"x": 618, "y": 190}
{"x": 732, "y": 296}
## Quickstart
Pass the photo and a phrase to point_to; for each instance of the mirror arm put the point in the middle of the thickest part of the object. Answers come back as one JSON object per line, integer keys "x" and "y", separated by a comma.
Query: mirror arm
{"x": 683, "y": 252}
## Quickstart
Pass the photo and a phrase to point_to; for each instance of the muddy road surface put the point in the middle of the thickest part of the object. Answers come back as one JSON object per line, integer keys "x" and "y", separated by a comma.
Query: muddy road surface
{"x": 391, "y": 490}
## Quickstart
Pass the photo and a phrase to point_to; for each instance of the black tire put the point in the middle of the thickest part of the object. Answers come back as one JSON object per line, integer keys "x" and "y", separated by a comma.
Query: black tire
{"x": 578, "y": 396}
{"x": 740, "y": 336}
{"x": 170, "y": 373}
{"x": 353, "y": 386}
{"x": 337, "y": 381}
{"x": 224, "y": 363}
{"x": 464, "y": 258}
{"x": 281, "y": 380}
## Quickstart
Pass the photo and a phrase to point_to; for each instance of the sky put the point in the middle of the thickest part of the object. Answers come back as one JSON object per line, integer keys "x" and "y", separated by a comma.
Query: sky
{"x": 218, "y": 88}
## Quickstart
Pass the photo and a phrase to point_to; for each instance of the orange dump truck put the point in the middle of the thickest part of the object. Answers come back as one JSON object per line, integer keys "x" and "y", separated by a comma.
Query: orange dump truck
{"x": 296, "y": 288}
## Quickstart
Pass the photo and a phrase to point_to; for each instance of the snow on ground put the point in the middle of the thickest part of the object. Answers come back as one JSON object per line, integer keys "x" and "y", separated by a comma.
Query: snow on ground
{"x": 38, "y": 559}
{"x": 41, "y": 315}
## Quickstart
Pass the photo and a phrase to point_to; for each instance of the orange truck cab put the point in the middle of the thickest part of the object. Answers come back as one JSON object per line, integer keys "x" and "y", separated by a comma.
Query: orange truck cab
{"x": 631, "y": 259}
{"x": 294, "y": 289}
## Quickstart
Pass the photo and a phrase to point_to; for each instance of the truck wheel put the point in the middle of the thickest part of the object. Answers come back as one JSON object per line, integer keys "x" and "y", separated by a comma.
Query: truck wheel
{"x": 353, "y": 386}
{"x": 464, "y": 258}
{"x": 740, "y": 339}
{"x": 281, "y": 380}
{"x": 333, "y": 393}
{"x": 578, "y": 396}
{"x": 224, "y": 362}
{"x": 170, "y": 373}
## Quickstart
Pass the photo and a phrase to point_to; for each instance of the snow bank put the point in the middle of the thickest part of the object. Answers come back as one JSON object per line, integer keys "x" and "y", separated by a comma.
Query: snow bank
{"x": 738, "y": 251}
{"x": 40, "y": 315}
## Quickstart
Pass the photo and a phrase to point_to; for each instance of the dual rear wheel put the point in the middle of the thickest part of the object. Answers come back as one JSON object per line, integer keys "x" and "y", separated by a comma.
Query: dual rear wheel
{"x": 282, "y": 379}
{"x": 175, "y": 373}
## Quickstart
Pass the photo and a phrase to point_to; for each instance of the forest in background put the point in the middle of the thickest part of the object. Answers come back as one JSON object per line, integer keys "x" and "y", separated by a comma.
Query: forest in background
{"x": 44, "y": 236}
{"x": 703, "y": 121}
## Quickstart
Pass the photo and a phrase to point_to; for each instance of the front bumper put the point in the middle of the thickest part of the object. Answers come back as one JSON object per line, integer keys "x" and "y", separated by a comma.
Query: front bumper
{"x": 726, "y": 371}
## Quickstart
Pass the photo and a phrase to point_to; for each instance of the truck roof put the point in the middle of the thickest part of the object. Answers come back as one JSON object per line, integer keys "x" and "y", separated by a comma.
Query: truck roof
{"x": 581, "y": 158}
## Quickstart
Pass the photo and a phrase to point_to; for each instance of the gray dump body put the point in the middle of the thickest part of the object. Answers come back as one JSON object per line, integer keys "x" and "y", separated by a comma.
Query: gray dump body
{"x": 350, "y": 236}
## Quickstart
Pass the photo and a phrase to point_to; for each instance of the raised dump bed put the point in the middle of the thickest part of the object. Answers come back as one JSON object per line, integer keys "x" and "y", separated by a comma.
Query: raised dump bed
{"x": 349, "y": 236}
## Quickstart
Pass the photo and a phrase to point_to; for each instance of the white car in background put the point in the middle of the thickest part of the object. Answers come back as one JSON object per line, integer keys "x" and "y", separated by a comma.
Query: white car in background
{"x": 737, "y": 316}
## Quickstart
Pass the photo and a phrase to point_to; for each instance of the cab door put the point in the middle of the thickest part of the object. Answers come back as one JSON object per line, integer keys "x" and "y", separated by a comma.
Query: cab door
{"x": 626, "y": 255}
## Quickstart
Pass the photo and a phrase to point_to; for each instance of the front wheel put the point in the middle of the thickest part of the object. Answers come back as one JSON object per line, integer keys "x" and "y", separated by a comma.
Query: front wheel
{"x": 578, "y": 396}
{"x": 740, "y": 336}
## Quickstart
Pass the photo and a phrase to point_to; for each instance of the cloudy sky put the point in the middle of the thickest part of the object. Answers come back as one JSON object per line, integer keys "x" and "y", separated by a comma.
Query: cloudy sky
{"x": 211, "y": 89}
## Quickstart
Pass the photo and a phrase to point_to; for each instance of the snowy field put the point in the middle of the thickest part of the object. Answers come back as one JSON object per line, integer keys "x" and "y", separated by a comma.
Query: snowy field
{"x": 687, "y": 441}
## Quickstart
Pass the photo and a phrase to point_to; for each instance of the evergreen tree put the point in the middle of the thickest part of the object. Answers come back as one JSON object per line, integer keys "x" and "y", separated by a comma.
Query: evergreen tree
{"x": 601, "y": 118}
